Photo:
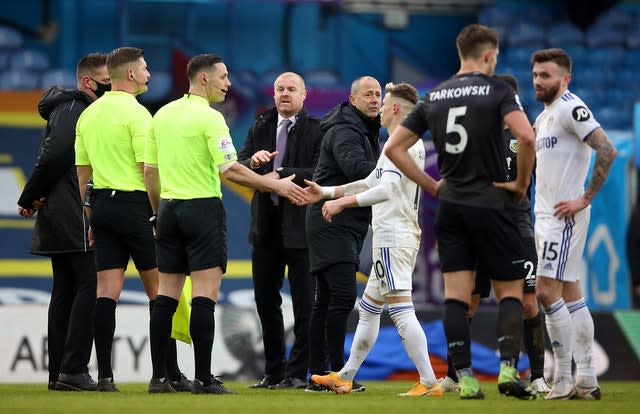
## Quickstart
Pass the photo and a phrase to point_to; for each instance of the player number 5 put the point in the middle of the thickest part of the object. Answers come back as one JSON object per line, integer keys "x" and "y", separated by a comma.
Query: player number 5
{"x": 455, "y": 128}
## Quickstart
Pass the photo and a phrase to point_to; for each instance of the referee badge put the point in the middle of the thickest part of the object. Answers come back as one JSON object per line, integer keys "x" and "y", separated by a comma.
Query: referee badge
{"x": 513, "y": 146}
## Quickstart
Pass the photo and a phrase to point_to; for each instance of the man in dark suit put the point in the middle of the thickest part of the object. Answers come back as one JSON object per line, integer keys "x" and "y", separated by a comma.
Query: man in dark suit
{"x": 282, "y": 141}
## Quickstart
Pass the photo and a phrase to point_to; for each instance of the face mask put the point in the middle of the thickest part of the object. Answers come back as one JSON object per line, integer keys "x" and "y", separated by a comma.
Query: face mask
{"x": 101, "y": 88}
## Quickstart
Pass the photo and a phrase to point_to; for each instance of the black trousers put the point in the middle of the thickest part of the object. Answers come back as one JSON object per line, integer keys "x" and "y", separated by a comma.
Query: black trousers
{"x": 268, "y": 267}
{"x": 70, "y": 324}
{"x": 334, "y": 299}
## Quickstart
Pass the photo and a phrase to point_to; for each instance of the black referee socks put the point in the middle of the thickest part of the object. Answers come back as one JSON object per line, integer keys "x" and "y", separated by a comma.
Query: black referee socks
{"x": 202, "y": 328}
{"x": 160, "y": 332}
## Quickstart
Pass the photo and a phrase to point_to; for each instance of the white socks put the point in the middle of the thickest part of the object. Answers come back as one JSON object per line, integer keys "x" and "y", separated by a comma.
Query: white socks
{"x": 583, "y": 338}
{"x": 413, "y": 339}
{"x": 364, "y": 338}
{"x": 559, "y": 328}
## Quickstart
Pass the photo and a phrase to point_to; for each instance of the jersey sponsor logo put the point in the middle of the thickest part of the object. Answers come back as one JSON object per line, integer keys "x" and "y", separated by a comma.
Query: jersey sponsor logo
{"x": 546, "y": 142}
{"x": 230, "y": 157}
{"x": 513, "y": 145}
{"x": 451, "y": 93}
{"x": 225, "y": 143}
{"x": 580, "y": 113}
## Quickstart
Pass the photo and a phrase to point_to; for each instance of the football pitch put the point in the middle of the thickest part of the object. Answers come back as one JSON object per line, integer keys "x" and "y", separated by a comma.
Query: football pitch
{"x": 380, "y": 397}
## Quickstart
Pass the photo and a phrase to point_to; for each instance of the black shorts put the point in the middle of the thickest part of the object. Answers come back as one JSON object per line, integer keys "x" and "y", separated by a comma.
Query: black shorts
{"x": 469, "y": 237}
{"x": 121, "y": 227}
{"x": 483, "y": 283}
{"x": 191, "y": 235}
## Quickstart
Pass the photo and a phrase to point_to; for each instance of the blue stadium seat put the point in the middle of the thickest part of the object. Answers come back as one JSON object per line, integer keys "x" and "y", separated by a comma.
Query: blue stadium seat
{"x": 518, "y": 55}
{"x": 605, "y": 36}
{"x": 268, "y": 77}
{"x": 496, "y": 16}
{"x": 4, "y": 60}
{"x": 579, "y": 55}
{"x": 18, "y": 80}
{"x": 564, "y": 34}
{"x": 613, "y": 117}
{"x": 616, "y": 17}
{"x": 627, "y": 77}
{"x": 526, "y": 34}
{"x": 632, "y": 58}
{"x": 63, "y": 78}
{"x": 611, "y": 56}
{"x": 160, "y": 88}
{"x": 10, "y": 39}
{"x": 591, "y": 95}
{"x": 321, "y": 78}
{"x": 633, "y": 37}
{"x": 28, "y": 59}
{"x": 592, "y": 74}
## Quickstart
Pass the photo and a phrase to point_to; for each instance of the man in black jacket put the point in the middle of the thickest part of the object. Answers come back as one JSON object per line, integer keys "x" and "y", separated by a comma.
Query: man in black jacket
{"x": 61, "y": 227}
{"x": 282, "y": 141}
{"x": 349, "y": 152}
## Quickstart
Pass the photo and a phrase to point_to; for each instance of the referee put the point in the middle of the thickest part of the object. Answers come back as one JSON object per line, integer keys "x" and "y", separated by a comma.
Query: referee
{"x": 188, "y": 147}
{"x": 110, "y": 140}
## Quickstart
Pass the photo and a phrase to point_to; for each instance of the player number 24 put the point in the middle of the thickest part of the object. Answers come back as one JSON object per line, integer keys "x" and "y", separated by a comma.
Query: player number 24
{"x": 455, "y": 128}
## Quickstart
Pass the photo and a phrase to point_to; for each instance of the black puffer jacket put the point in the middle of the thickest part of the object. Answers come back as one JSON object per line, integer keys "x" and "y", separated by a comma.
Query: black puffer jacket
{"x": 61, "y": 226}
{"x": 349, "y": 152}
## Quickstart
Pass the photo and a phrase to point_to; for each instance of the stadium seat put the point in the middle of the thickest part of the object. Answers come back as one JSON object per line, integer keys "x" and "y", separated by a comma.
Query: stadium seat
{"x": 633, "y": 37}
{"x": 160, "y": 88}
{"x": 605, "y": 36}
{"x": 518, "y": 55}
{"x": 63, "y": 78}
{"x": 526, "y": 34}
{"x": 18, "y": 80}
{"x": 594, "y": 75}
{"x": 496, "y": 16}
{"x": 28, "y": 59}
{"x": 4, "y": 60}
{"x": 611, "y": 56}
{"x": 632, "y": 59}
{"x": 10, "y": 39}
{"x": 564, "y": 34}
{"x": 613, "y": 117}
{"x": 579, "y": 55}
{"x": 268, "y": 77}
{"x": 618, "y": 17}
{"x": 321, "y": 77}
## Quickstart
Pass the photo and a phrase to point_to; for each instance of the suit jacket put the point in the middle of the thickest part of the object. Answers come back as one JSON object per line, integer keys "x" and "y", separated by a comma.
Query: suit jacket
{"x": 300, "y": 158}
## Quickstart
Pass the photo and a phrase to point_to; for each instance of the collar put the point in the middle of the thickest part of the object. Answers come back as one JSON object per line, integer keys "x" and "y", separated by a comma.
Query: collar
{"x": 292, "y": 120}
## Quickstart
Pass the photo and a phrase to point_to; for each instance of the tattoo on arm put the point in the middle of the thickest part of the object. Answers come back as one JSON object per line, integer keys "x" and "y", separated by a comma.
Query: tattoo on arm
{"x": 605, "y": 154}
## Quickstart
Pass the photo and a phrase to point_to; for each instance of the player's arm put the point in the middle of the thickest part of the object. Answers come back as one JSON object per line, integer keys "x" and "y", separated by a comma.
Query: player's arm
{"x": 397, "y": 149}
{"x": 521, "y": 128}
{"x": 240, "y": 174}
{"x": 605, "y": 154}
{"x": 385, "y": 189}
{"x": 152, "y": 183}
{"x": 313, "y": 193}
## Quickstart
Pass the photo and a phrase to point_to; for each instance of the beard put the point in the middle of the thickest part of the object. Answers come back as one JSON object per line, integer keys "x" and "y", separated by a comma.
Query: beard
{"x": 546, "y": 96}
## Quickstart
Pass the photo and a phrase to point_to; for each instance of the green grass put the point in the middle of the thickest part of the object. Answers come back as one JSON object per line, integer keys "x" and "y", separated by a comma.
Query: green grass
{"x": 618, "y": 398}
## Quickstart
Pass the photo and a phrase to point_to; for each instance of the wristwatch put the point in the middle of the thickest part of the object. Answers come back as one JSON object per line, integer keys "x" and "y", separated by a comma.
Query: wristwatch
{"x": 280, "y": 170}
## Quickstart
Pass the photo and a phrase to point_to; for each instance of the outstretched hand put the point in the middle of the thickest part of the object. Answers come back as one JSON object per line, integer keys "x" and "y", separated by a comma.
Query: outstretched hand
{"x": 261, "y": 158}
{"x": 287, "y": 188}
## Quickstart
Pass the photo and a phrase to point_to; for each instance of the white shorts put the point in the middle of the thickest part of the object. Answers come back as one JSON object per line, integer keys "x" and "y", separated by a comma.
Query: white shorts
{"x": 560, "y": 245}
{"x": 392, "y": 269}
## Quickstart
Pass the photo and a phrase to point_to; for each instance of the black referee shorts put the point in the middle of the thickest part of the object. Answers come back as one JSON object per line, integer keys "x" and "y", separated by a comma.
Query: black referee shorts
{"x": 121, "y": 227}
{"x": 476, "y": 237}
{"x": 191, "y": 235}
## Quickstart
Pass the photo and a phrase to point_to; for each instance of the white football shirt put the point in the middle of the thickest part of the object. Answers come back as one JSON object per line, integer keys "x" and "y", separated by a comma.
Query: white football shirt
{"x": 562, "y": 156}
{"x": 395, "y": 220}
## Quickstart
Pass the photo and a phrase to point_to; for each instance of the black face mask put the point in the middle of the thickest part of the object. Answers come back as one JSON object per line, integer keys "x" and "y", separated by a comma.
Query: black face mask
{"x": 101, "y": 88}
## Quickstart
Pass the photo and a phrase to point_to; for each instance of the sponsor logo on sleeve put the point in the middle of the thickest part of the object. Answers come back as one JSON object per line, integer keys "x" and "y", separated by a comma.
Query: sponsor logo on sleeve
{"x": 580, "y": 113}
{"x": 224, "y": 143}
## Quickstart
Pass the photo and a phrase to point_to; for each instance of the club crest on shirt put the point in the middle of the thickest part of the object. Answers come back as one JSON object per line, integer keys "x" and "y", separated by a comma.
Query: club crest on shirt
{"x": 550, "y": 122}
{"x": 513, "y": 146}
